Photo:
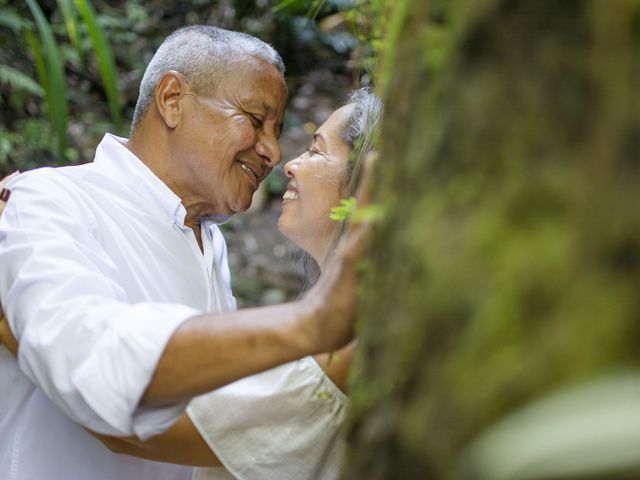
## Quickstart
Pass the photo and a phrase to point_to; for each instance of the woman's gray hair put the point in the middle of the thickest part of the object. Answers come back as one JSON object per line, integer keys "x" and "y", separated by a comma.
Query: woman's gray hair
{"x": 204, "y": 55}
{"x": 363, "y": 117}
{"x": 359, "y": 131}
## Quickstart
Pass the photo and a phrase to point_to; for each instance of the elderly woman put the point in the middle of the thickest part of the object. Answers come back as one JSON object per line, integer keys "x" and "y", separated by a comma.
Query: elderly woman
{"x": 272, "y": 406}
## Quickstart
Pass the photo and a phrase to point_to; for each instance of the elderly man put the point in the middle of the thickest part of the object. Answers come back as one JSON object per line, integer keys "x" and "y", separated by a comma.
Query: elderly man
{"x": 108, "y": 267}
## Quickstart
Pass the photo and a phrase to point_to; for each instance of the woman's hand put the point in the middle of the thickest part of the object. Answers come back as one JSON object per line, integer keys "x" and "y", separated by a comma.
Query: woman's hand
{"x": 5, "y": 192}
{"x": 6, "y": 337}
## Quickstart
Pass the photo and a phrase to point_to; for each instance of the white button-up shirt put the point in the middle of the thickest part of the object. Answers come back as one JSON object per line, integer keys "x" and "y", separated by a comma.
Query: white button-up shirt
{"x": 98, "y": 270}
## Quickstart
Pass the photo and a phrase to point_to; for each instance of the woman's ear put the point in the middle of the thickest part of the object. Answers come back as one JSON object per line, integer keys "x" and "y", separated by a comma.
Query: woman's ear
{"x": 170, "y": 89}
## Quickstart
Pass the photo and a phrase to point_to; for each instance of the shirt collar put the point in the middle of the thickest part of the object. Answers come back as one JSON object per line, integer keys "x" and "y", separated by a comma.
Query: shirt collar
{"x": 113, "y": 157}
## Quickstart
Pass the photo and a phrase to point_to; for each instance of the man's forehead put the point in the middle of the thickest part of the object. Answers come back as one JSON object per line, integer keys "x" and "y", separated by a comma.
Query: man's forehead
{"x": 270, "y": 105}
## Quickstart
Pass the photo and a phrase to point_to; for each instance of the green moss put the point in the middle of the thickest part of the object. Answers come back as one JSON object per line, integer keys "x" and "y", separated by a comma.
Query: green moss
{"x": 507, "y": 263}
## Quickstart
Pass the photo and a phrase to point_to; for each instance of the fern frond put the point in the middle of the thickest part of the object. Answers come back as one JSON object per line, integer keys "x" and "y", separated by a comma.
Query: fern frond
{"x": 11, "y": 19}
{"x": 19, "y": 81}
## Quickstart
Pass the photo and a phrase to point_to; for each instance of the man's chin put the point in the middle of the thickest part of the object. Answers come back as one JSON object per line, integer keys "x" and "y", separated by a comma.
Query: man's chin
{"x": 242, "y": 205}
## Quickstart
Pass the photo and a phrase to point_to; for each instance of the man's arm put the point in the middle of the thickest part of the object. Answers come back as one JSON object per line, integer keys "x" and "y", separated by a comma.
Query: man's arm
{"x": 209, "y": 351}
{"x": 212, "y": 350}
{"x": 182, "y": 443}
{"x": 91, "y": 351}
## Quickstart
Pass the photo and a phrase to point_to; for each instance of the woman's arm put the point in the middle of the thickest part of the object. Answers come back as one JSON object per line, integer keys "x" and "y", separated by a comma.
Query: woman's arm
{"x": 181, "y": 444}
{"x": 336, "y": 365}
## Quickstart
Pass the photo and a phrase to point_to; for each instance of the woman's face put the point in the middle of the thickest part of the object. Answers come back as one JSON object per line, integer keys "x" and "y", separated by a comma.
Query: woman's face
{"x": 317, "y": 180}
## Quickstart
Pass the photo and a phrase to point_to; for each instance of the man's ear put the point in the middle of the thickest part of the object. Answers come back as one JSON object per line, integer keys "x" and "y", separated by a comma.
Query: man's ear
{"x": 170, "y": 89}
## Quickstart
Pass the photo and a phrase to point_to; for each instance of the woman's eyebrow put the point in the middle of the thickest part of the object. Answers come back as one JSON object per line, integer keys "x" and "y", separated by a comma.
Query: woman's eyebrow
{"x": 319, "y": 138}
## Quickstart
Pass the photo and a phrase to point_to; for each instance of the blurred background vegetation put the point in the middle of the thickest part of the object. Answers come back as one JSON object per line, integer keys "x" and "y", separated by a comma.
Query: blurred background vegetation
{"x": 511, "y": 250}
{"x": 70, "y": 72}
{"x": 70, "y": 69}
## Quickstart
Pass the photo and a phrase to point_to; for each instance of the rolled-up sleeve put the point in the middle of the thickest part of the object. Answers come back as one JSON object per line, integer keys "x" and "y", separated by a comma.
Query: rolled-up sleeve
{"x": 81, "y": 342}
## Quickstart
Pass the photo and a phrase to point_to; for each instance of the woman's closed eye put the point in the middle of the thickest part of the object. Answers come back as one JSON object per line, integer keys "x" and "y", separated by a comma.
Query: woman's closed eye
{"x": 312, "y": 150}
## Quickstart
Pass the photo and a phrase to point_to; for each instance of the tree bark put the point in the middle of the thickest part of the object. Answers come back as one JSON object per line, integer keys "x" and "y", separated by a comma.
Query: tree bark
{"x": 508, "y": 263}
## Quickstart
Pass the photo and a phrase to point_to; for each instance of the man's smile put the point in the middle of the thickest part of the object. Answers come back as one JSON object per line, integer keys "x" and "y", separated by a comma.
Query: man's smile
{"x": 252, "y": 172}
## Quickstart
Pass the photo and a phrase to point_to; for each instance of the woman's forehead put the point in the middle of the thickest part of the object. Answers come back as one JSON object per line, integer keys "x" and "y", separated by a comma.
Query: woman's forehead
{"x": 334, "y": 124}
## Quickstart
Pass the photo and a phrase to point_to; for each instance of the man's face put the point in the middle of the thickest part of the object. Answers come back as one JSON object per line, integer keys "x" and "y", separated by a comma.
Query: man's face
{"x": 228, "y": 143}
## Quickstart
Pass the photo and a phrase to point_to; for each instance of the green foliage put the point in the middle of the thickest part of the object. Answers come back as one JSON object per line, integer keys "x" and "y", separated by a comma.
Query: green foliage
{"x": 368, "y": 22}
{"x": 19, "y": 81}
{"x": 101, "y": 86}
{"x": 354, "y": 26}
{"x": 22, "y": 147}
{"x": 52, "y": 78}
{"x": 104, "y": 55}
{"x": 70, "y": 20}
{"x": 349, "y": 210}
{"x": 343, "y": 211}
{"x": 51, "y": 56}
{"x": 10, "y": 19}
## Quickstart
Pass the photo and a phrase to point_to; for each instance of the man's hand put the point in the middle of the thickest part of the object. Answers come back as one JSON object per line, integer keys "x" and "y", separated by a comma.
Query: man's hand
{"x": 333, "y": 300}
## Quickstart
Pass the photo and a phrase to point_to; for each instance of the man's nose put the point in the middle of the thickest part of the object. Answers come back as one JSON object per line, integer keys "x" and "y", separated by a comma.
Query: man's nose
{"x": 269, "y": 149}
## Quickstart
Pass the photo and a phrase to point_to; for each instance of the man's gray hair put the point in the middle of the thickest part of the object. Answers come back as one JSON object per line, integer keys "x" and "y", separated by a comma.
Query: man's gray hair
{"x": 204, "y": 55}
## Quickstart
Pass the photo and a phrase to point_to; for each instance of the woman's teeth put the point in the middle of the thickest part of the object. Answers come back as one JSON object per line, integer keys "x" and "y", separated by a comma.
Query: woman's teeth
{"x": 290, "y": 195}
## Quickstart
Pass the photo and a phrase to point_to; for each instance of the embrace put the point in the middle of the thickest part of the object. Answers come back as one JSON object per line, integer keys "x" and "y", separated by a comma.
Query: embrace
{"x": 129, "y": 359}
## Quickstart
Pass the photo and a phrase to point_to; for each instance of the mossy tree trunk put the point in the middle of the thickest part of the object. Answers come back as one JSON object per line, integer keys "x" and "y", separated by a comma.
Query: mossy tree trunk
{"x": 508, "y": 263}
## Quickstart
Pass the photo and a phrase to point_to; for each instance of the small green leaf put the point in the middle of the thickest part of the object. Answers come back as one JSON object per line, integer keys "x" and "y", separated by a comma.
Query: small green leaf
{"x": 344, "y": 210}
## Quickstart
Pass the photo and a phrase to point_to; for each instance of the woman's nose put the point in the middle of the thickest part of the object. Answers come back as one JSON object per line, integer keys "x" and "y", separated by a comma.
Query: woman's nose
{"x": 288, "y": 168}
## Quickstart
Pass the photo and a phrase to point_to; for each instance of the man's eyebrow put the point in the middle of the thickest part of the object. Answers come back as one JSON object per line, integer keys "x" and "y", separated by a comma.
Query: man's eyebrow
{"x": 259, "y": 105}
